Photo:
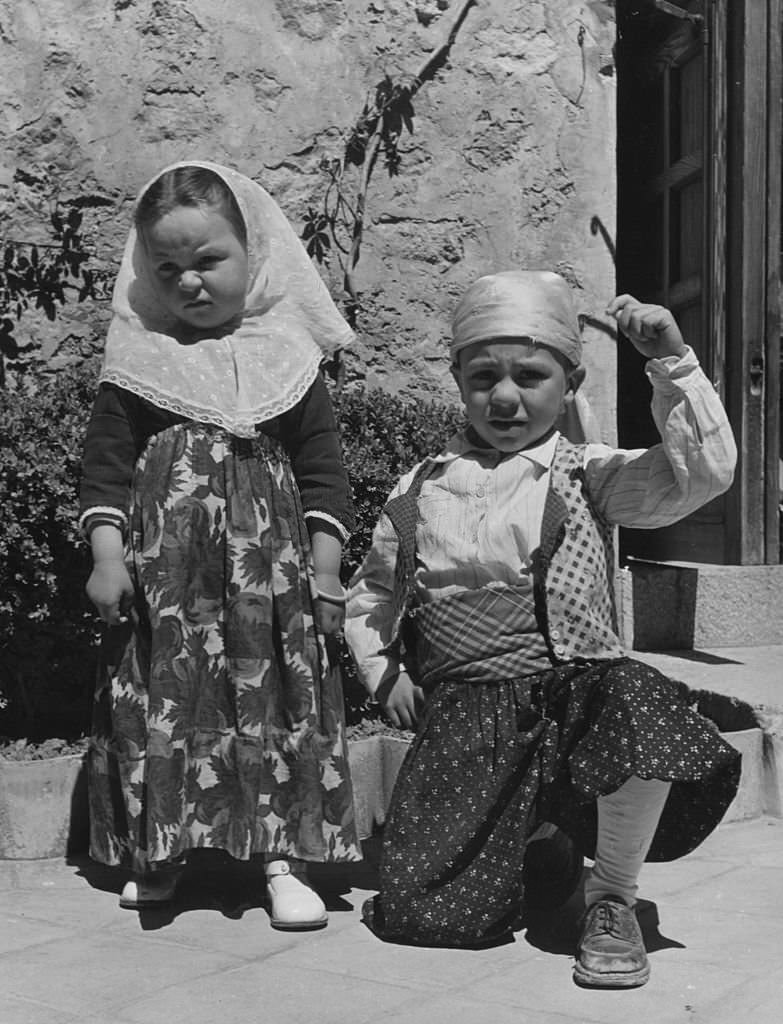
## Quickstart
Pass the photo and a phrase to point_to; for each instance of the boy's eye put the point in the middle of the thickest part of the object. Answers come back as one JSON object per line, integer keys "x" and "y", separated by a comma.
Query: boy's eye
{"x": 528, "y": 379}
{"x": 166, "y": 269}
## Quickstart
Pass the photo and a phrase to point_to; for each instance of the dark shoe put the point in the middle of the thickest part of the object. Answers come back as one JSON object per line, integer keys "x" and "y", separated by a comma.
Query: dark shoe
{"x": 610, "y": 952}
{"x": 551, "y": 873}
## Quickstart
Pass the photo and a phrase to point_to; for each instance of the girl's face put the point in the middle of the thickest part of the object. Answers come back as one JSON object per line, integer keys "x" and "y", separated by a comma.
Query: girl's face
{"x": 199, "y": 264}
{"x": 514, "y": 392}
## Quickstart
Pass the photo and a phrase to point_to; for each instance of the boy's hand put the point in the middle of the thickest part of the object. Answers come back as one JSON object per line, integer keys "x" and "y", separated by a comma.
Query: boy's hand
{"x": 329, "y": 615}
{"x": 110, "y": 590}
{"x": 400, "y": 699}
{"x": 651, "y": 329}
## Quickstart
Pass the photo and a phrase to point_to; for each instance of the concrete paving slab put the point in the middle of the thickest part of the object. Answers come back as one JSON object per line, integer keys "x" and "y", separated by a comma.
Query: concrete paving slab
{"x": 744, "y": 942}
{"x": 286, "y": 995}
{"x": 461, "y": 1006}
{"x": 714, "y": 932}
{"x": 87, "y": 971}
{"x": 672, "y": 988}
{"x": 30, "y": 1011}
{"x": 760, "y": 1003}
{"x": 361, "y": 955}
{"x": 19, "y": 932}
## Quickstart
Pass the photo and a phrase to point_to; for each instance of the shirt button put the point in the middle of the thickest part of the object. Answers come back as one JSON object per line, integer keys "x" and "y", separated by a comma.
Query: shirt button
{"x": 559, "y": 649}
{"x": 480, "y": 492}
{"x": 555, "y": 634}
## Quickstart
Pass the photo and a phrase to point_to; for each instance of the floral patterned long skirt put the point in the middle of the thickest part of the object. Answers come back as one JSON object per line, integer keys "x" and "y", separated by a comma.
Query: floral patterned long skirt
{"x": 218, "y": 721}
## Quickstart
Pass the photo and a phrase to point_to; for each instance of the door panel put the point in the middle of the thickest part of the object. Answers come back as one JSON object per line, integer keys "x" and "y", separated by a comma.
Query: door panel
{"x": 667, "y": 191}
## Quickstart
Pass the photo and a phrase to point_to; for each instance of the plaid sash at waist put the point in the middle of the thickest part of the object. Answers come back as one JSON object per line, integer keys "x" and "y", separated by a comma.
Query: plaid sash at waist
{"x": 484, "y": 635}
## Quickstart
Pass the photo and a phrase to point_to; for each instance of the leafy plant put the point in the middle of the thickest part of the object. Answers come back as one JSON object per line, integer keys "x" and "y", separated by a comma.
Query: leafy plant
{"x": 45, "y": 276}
{"x": 383, "y": 437}
{"x": 47, "y": 629}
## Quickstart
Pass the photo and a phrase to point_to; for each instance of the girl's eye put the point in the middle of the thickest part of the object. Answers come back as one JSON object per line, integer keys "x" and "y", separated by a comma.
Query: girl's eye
{"x": 207, "y": 262}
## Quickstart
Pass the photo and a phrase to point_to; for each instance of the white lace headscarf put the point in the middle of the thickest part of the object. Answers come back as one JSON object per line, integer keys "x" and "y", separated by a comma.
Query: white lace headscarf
{"x": 268, "y": 360}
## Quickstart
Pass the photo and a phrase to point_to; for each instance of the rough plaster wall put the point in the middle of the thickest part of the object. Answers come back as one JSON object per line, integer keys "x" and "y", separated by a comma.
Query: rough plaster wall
{"x": 511, "y": 157}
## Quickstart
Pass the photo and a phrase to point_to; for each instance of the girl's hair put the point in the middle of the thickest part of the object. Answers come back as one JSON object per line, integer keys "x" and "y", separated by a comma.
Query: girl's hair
{"x": 189, "y": 186}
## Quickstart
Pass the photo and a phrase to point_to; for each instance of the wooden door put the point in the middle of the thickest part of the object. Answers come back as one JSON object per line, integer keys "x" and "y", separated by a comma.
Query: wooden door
{"x": 696, "y": 124}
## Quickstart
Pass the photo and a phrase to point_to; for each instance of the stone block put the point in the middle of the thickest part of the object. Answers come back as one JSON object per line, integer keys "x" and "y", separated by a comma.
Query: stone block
{"x": 375, "y": 761}
{"x": 671, "y": 606}
{"x": 43, "y": 808}
{"x": 751, "y": 796}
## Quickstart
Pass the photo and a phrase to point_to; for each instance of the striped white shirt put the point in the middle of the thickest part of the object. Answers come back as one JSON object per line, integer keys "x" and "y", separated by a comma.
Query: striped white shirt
{"x": 480, "y": 511}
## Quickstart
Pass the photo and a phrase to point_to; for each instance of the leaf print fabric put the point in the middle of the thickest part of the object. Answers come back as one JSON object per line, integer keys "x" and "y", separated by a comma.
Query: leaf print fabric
{"x": 218, "y": 721}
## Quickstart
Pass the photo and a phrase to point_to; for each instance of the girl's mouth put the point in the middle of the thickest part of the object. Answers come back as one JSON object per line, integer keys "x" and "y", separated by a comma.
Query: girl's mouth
{"x": 506, "y": 424}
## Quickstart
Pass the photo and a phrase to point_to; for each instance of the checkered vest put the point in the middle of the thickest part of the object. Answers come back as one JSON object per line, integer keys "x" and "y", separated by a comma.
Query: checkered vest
{"x": 573, "y": 567}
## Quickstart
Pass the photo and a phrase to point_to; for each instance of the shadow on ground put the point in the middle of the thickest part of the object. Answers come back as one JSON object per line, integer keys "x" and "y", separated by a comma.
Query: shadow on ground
{"x": 556, "y": 931}
{"x": 212, "y": 880}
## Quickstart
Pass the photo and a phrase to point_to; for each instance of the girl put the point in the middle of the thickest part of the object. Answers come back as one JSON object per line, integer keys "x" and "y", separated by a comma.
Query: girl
{"x": 216, "y": 504}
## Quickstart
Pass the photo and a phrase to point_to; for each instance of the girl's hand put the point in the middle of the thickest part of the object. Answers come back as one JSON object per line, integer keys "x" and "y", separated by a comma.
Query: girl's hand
{"x": 651, "y": 329}
{"x": 401, "y": 699}
{"x": 110, "y": 590}
{"x": 330, "y": 605}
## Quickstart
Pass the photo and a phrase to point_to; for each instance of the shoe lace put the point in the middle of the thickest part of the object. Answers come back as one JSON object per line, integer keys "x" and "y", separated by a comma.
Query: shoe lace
{"x": 606, "y": 919}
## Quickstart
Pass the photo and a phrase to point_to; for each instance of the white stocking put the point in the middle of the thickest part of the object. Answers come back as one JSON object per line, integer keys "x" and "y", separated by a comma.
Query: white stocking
{"x": 627, "y": 820}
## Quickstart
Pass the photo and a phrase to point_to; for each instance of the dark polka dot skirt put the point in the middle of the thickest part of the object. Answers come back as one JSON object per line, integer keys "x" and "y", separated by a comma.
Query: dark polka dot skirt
{"x": 490, "y": 762}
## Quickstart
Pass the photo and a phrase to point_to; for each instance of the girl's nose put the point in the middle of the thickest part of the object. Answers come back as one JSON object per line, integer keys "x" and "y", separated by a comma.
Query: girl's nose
{"x": 189, "y": 281}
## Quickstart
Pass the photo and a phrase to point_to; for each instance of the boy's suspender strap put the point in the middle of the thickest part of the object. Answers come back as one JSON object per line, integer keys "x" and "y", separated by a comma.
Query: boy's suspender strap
{"x": 403, "y": 514}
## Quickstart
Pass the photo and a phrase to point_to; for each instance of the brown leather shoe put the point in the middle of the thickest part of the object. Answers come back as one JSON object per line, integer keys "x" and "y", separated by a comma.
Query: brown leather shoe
{"x": 610, "y": 952}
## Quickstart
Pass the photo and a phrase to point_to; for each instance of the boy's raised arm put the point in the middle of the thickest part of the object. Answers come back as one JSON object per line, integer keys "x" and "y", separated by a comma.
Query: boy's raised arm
{"x": 697, "y": 455}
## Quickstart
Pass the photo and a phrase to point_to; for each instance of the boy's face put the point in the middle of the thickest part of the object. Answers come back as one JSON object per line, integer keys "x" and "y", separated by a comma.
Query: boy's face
{"x": 514, "y": 392}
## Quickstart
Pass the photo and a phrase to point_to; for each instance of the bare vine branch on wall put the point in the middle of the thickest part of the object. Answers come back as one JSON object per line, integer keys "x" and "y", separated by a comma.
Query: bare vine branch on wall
{"x": 377, "y": 130}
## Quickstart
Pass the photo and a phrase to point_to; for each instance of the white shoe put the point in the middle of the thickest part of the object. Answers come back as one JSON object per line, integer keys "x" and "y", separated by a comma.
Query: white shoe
{"x": 293, "y": 904}
{"x": 152, "y": 890}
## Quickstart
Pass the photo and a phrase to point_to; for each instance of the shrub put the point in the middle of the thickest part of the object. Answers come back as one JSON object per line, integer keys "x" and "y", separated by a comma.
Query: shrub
{"x": 48, "y": 629}
{"x": 383, "y": 436}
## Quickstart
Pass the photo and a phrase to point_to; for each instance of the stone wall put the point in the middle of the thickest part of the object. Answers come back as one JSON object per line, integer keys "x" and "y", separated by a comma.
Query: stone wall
{"x": 510, "y": 160}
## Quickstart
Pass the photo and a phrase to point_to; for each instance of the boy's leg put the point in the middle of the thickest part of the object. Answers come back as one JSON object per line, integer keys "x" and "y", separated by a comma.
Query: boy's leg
{"x": 610, "y": 951}
{"x": 552, "y": 869}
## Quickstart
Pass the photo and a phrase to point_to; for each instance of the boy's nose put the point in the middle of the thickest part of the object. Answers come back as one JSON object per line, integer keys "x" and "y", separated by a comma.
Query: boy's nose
{"x": 504, "y": 398}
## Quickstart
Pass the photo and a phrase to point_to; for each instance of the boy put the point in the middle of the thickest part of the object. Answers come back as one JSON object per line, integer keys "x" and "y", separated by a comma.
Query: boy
{"x": 483, "y": 616}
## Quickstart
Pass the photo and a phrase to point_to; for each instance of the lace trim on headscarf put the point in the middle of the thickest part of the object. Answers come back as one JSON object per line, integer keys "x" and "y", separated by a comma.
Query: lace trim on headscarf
{"x": 240, "y": 426}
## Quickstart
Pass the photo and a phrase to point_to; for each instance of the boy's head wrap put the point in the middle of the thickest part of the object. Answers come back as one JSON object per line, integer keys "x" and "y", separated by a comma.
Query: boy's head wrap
{"x": 534, "y": 304}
